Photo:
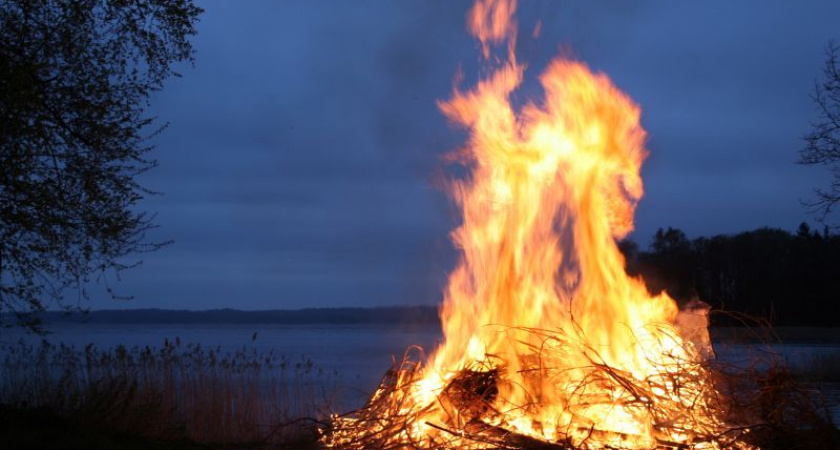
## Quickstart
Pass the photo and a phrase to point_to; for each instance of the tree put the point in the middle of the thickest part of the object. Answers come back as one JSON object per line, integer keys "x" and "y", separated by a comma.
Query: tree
{"x": 672, "y": 241}
{"x": 673, "y": 257}
{"x": 76, "y": 77}
{"x": 822, "y": 143}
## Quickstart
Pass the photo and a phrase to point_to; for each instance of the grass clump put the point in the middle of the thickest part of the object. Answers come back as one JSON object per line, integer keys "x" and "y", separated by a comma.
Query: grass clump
{"x": 172, "y": 393}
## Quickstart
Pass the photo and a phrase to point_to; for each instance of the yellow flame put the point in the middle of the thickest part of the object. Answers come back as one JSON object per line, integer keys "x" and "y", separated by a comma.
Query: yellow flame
{"x": 540, "y": 297}
{"x": 552, "y": 188}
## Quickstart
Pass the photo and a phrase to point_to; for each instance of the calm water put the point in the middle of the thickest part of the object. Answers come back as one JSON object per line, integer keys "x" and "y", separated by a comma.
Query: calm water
{"x": 354, "y": 357}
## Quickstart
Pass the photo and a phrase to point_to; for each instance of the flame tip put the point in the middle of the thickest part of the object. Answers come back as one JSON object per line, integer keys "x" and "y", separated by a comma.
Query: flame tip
{"x": 546, "y": 337}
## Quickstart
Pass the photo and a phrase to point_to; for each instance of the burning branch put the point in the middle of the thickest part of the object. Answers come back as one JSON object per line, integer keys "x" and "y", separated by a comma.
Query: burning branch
{"x": 465, "y": 414}
{"x": 580, "y": 355}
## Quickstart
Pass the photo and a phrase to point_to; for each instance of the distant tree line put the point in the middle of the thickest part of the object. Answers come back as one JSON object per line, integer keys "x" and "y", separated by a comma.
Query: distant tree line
{"x": 769, "y": 274}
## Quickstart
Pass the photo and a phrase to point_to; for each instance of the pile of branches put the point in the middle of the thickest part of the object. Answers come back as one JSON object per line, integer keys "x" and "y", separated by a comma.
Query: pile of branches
{"x": 468, "y": 404}
{"x": 737, "y": 409}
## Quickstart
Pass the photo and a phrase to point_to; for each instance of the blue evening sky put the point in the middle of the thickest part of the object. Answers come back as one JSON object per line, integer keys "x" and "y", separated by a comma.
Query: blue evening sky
{"x": 299, "y": 166}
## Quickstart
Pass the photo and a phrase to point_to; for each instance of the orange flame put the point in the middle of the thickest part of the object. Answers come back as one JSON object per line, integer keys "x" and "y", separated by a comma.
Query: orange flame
{"x": 551, "y": 190}
{"x": 491, "y": 22}
{"x": 540, "y": 296}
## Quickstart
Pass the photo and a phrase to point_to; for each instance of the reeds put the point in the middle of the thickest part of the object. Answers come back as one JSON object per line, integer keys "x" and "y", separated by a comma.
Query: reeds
{"x": 785, "y": 411}
{"x": 172, "y": 392}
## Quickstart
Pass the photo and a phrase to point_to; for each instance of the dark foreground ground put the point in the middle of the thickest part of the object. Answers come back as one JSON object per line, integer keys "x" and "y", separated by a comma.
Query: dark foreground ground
{"x": 41, "y": 428}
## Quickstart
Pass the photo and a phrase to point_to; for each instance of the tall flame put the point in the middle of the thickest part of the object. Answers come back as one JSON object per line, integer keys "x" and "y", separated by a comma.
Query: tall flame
{"x": 540, "y": 297}
{"x": 551, "y": 190}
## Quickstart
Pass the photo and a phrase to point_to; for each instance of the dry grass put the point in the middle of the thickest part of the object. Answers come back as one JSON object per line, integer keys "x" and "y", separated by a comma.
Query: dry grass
{"x": 785, "y": 413}
{"x": 765, "y": 406}
{"x": 683, "y": 399}
{"x": 173, "y": 392}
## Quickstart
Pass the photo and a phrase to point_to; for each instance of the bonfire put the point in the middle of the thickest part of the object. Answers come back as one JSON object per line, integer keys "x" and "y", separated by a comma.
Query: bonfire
{"x": 548, "y": 343}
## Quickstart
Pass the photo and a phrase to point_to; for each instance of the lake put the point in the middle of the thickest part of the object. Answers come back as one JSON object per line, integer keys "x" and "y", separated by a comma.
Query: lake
{"x": 353, "y": 357}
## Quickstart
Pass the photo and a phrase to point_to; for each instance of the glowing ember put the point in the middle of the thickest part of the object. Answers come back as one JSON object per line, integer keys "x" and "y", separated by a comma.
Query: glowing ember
{"x": 548, "y": 343}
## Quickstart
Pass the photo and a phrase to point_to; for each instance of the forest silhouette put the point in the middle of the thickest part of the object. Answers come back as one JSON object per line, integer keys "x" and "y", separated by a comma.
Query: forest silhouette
{"x": 787, "y": 279}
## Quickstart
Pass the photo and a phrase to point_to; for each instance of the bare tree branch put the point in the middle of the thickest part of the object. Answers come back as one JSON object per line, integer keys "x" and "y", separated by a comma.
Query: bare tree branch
{"x": 75, "y": 81}
{"x": 822, "y": 143}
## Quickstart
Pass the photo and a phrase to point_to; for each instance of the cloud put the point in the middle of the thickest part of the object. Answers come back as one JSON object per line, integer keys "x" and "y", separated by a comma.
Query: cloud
{"x": 297, "y": 168}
